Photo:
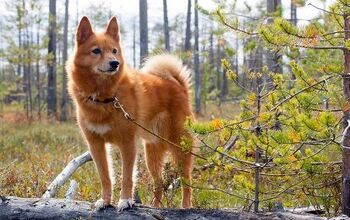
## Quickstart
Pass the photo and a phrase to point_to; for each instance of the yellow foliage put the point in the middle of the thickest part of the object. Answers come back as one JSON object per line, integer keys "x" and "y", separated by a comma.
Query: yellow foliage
{"x": 217, "y": 123}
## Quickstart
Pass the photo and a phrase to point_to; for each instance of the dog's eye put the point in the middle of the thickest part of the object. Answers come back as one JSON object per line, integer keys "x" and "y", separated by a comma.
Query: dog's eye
{"x": 114, "y": 51}
{"x": 96, "y": 51}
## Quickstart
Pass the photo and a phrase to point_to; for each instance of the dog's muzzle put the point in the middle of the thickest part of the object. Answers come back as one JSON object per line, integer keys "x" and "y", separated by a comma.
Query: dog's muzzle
{"x": 113, "y": 67}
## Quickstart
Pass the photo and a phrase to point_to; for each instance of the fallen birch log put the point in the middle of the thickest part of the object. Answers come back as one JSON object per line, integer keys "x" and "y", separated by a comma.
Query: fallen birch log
{"x": 38, "y": 208}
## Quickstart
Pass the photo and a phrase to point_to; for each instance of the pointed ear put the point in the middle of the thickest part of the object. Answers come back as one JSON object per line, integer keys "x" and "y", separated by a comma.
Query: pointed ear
{"x": 84, "y": 30}
{"x": 113, "y": 29}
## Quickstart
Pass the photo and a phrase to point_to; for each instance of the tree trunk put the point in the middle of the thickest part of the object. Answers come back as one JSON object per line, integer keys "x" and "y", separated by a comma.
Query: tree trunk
{"x": 52, "y": 209}
{"x": 224, "y": 82}
{"x": 346, "y": 118}
{"x": 76, "y": 20}
{"x": 51, "y": 78}
{"x": 29, "y": 69}
{"x": 143, "y": 30}
{"x": 37, "y": 65}
{"x": 294, "y": 21}
{"x": 273, "y": 58}
{"x": 224, "y": 85}
{"x": 166, "y": 26}
{"x": 76, "y": 13}
{"x": 236, "y": 56}
{"x": 211, "y": 50}
{"x": 218, "y": 64}
{"x": 188, "y": 27}
{"x": 196, "y": 61}
{"x": 258, "y": 66}
{"x": 23, "y": 45}
{"x": 20, "y": 20}
{"x": 293, "y": 13}
{"x": 64, "y": 99}
{"x": 134, "y": 43}
{"x": 25, "y": 78}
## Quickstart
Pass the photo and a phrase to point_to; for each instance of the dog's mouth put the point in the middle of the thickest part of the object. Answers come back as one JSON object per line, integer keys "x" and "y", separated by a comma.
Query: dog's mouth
{"x": 110, "y": 71}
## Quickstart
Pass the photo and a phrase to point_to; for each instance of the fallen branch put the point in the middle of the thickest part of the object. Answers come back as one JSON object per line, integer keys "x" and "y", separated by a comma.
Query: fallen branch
{"x": 67, "y": 172}
{"x": 70, "y": 194}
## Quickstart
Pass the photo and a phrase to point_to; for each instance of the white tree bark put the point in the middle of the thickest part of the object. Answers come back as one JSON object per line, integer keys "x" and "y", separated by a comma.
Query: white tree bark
{"x": 35, "y": 208}
{"x": 67, "y": 172}
{"x": 70, "y": 194}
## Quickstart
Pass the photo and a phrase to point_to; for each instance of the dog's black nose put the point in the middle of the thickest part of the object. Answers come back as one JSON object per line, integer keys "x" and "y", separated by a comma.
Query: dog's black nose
{"x": 114, "y": 64}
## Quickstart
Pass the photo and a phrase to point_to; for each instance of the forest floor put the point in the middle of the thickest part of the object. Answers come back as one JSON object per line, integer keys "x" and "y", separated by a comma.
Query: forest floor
{"x": 33, "y": 152}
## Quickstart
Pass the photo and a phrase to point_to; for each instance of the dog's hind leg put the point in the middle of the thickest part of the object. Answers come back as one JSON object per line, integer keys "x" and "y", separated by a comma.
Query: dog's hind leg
{"x": 98, "y": 152}
{"x": 155, "y": 161}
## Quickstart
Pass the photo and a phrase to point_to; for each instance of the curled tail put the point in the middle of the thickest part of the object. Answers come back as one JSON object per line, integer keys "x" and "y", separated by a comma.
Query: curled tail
{"x": 168, "y": 67}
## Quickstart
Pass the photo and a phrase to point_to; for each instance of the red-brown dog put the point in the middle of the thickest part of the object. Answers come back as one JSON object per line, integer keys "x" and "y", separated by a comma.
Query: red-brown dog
{"x": 156, "y": 96}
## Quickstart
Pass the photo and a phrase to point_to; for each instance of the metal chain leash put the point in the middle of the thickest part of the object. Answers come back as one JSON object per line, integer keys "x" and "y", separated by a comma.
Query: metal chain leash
{"x": 117, "y": 105}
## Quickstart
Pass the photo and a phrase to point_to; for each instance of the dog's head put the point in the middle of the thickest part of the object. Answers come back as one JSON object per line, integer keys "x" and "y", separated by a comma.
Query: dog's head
{"x": 101, "y": 53}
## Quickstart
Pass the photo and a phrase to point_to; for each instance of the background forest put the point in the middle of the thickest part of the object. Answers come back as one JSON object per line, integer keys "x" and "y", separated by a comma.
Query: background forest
{"x": 271, "y": 91}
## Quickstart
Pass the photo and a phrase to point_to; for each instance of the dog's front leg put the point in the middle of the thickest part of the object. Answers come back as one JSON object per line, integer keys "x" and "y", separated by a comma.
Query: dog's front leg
{"x": 98, "y": 152}
{"x": 128, "y": 154}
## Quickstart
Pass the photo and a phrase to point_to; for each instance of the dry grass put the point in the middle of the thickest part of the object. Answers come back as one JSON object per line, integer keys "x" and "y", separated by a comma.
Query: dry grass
{"x": 33, "y": 153}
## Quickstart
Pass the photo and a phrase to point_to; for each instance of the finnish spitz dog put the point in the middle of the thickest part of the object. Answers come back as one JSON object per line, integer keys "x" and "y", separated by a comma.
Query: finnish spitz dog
{"x": 156, "y": 96}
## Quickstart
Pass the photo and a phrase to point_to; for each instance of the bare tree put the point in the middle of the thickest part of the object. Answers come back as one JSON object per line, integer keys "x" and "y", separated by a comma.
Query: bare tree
{"x": 24, "y": 56}
{"x": 20, "y": 12}
{"x": 28, "y": 65}
{"x": 211, "y": 46}
{"x": 134, "y": 43}
{"x": 196, "y": 61}
{"x": 143, "y": 29}
{"x": 294, "y": 21}
{"x": 166, "y": 26}
{"x": 293, "y": 12}
{"x": 346, "y": 122}
{"x": 51, "y": 66}
{"x": 273, "y": 58}
{"x": 64, "y": 98}
{"x": 224, "y": 84}
{"x": 218, "y": 63}
{"x": 188, "y": 27}
{"x": 37, "y": 67}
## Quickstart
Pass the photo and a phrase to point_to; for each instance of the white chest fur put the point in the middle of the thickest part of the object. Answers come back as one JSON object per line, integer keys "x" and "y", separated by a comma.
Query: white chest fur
{"x": 99, "y": 129}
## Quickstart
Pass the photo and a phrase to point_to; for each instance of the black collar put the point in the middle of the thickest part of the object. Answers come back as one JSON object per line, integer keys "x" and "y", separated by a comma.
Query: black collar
{"x": 105, "y": 101}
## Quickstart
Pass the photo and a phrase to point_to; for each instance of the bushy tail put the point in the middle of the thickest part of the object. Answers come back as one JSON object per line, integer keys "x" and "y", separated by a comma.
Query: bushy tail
{"x": 168, "y": 67}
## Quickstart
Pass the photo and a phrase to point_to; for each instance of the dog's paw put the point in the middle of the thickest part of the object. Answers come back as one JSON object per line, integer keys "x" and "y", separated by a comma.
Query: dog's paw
{"x": 100, "y": 204}
{"x": 125, "y": 204}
